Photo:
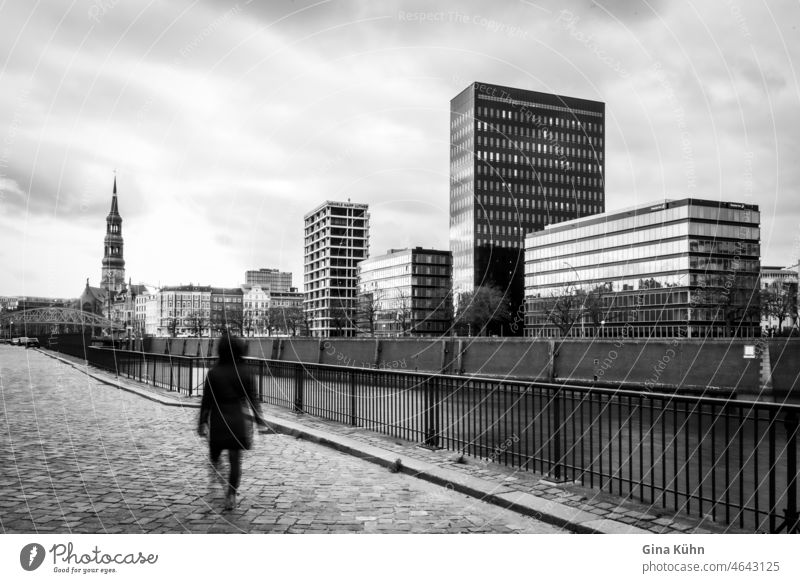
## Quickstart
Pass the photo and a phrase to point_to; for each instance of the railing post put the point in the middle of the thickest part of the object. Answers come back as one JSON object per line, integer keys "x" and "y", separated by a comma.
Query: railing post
{"x": 170, "y": 377}
{"x": 353, "y": 401}
{"x": 261, "y": 381}
{"x": 298, "y": 388}
{"x": 792, "y": 520}
{"x": 431, "y": 388}
{"x": 191, "y": 377}
{"x": 556, "y": 469}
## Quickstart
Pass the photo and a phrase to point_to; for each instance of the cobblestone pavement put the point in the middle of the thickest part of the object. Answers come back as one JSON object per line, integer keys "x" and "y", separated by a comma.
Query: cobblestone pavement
{"x": 79, "y": 456}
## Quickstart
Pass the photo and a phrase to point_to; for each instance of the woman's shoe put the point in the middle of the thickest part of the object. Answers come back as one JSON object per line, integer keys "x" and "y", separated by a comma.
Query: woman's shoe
{"x": 230, "y": 501}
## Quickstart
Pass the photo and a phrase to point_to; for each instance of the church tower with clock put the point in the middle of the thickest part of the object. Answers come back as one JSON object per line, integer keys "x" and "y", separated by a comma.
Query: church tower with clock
{"x": 112, "y": 278}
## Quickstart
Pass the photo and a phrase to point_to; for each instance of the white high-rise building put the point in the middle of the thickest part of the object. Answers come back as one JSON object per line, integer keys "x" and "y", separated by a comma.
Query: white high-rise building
{"x": 336, "y": 239}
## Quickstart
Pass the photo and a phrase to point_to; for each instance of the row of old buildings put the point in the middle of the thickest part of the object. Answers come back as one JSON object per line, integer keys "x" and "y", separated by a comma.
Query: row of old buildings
{"x": 266, "y": 303}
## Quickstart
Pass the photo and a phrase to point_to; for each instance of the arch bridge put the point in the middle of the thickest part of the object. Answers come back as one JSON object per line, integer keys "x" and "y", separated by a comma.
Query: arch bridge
{"x": 64, "y": 318}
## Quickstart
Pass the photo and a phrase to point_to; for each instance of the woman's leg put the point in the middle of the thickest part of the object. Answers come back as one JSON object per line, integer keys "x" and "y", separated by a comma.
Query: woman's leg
{"x": 213, "y": 471}
{"x": 214, "y": 453}
{"x": 235, "y": 456}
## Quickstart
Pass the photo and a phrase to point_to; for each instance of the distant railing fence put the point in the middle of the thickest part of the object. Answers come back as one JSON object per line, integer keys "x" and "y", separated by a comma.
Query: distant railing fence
{"x": 734, "y": 462}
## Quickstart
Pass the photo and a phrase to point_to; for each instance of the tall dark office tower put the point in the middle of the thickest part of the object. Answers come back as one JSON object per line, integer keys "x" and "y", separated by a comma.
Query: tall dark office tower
{"x": 519, "y": 160}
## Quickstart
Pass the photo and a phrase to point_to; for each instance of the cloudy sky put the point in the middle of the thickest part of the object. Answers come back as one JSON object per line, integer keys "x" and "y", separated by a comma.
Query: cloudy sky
{"x": 227, "y": 121}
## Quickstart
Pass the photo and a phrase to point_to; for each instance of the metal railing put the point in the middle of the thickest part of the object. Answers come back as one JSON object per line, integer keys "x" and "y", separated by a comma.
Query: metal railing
{"x": 734, "y": 462}
{"x": 184, "y": 374}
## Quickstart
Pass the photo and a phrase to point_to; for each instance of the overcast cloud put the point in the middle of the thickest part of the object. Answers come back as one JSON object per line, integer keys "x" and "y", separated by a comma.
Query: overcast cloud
{"x": 226, "y": 122}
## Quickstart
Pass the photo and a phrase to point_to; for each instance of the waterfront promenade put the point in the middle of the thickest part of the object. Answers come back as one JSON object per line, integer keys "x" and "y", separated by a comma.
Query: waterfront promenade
{"x": 98, "y": 454}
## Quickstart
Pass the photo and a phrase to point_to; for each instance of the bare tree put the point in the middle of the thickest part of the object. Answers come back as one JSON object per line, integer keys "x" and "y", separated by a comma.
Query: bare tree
{"x": 196, "y": 323}
{"x": 339, "y": 320}
{"x": 734, "y": 302}
{"x": 294, "y": 320}
{"x": 482, "y": 311}
{"x": 404, "y": 311}
{"x": 368, "y": 311}
{"x": 172, "y": 325}
{"x": 248, "y": 322}
{"x": 565, "y": 310}
{"x": 779, "y": 301}
{"x": 595, "y": 304}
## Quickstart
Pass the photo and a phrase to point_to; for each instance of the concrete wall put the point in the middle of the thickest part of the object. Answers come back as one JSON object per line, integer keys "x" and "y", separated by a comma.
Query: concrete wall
{"x": 297, "y": 349}
{"x": 713, "y": 365}
{"x": 704, "y": 365}
{"x": 784, "y": 357}
{"x": 508, "y": 357}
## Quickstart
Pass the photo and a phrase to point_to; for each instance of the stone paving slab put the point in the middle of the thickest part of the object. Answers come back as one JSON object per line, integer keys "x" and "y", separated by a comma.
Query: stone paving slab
{"x": 572, "y": 506}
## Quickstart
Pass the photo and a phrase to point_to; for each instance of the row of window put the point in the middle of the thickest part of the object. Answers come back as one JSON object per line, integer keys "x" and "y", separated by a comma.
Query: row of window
{"x": 536, "y": 162}
{"x": 538, "y": 133}
{"x": 527, "y": 116}
{"x": 616, "y": 272}
{"x": 705, "y": 330}
{"x": 543, "y": 315}
{"x": 518, "y": 153}
{"x": 640, "y": 224}
{"x": 741, "y": 281}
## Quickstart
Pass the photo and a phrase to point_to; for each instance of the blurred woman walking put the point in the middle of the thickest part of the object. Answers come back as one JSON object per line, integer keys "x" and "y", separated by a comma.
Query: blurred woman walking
{"x": 228, "y": 398}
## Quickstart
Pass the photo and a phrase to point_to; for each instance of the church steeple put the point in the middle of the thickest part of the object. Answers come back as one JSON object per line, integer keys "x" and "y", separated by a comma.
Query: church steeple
{"x": 112, "y": 278}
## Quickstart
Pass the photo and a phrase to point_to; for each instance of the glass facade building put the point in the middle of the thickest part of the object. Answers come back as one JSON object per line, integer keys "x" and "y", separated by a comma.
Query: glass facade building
{"x": 682, "y": 267}
{"x": 336, "y": 239}
{"x": 519, "y": 161}
{"x": 406, "y": 292}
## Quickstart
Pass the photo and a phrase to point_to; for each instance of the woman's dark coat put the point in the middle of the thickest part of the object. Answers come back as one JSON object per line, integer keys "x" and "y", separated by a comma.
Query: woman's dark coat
{"x": 228, "y": 398}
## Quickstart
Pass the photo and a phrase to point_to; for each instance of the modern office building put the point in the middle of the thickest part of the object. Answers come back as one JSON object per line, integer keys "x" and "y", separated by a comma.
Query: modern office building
{"x": 269, "y": 279}
{"x": 519, "y": 161}
{"x": 405, "y": 292}
{"x": 681, "y": 268}
{"x": 336, "y": 239}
